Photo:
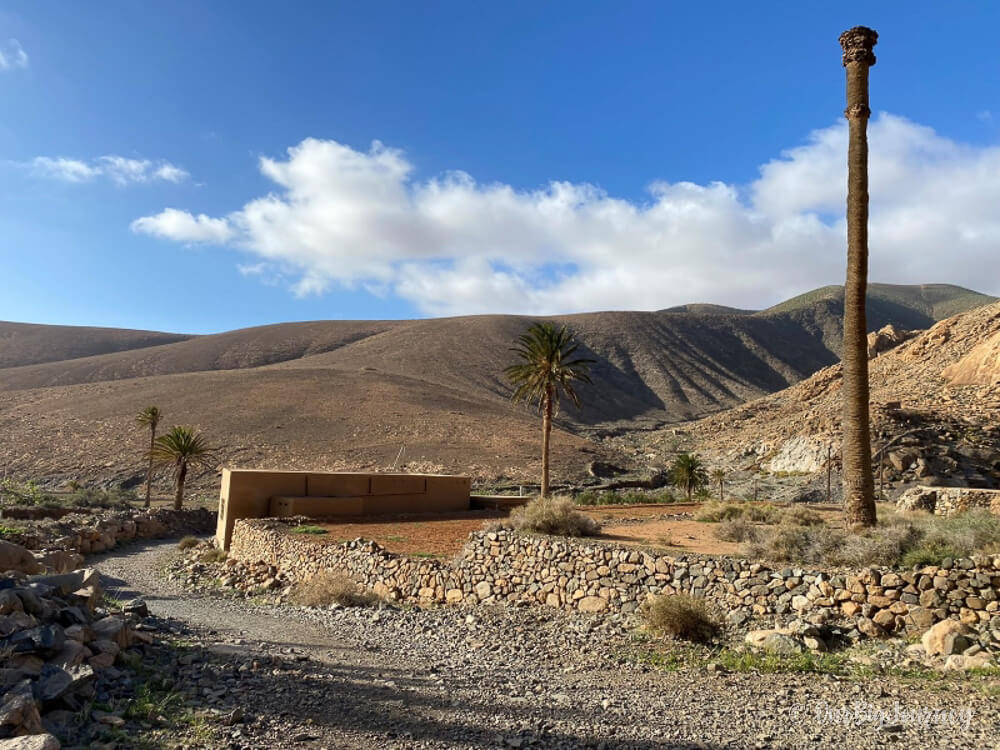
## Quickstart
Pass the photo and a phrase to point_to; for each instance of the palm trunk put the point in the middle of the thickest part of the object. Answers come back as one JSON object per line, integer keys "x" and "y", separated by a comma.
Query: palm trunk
{"x": 859, "y": 484}
{"x": 722, "y": 496}
{"x": 181, "y": 476}
{"x": 149, "y": 469}
{"x": 546, "y": 432}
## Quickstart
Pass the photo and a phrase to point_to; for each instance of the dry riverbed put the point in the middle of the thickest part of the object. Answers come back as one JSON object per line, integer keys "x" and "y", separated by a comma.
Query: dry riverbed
{"x": 261, "y": 676}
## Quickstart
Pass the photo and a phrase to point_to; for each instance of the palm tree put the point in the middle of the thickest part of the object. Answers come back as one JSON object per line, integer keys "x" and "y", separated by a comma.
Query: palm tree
{"x": 181, "y": 448}
{"x": 149, "y": 417}
{"x": 687, "y": 471}
{"x": 546, "y": 370}
{"x": 859, "y": 484}
{"x": 719, "y": 475}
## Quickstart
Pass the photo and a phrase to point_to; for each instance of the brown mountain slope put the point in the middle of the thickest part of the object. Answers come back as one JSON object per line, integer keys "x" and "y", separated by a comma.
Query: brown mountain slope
{"x": 919, "y": 374}
{"x": 30, "y": 343}
{"x": 244, "y": 348}
{"x": 319, "y": 418}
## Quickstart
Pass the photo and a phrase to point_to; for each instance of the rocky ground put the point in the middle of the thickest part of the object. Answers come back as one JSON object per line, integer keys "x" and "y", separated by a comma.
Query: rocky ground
{"x": 247, "y": 674}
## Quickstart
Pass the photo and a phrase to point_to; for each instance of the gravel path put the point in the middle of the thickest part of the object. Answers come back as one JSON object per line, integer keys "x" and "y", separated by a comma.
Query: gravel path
{"x": 510, "y": 677}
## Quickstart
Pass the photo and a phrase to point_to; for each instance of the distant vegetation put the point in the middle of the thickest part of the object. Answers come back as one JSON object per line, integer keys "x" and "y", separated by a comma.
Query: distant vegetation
{"x": 28, "y": 494}
{"x": 623, "y": 497}
{"x": 799, "y": 535}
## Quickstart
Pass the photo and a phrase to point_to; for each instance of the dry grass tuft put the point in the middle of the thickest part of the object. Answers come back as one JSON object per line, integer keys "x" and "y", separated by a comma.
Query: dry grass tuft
{"x": 680, "y": 616}
{"x": 188, "y": 542}
{"x": 553, "y": 515}
{"x": 330, "y": 587}
{"x": 737, "y": 530}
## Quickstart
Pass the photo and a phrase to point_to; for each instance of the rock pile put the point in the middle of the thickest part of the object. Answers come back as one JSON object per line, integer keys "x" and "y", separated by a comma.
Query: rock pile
{"x": 59, "y": 647}
{"x": 59, "y": 542}
{"x": 201, "y": 567}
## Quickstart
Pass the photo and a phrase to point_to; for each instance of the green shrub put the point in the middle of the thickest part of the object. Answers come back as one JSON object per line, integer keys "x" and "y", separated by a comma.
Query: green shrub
{"x": 92, "y": 497}
{"x": 329, "y": 587}
{"x": 552, "y": 515}
{"x": 630, "y": 497}
{"x": 13, "y": 492}
{"x": 307, "y": 529}
{"x": 679, "y": 616}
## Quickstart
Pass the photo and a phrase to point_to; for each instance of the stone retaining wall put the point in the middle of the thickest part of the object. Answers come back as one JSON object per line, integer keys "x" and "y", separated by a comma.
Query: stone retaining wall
{"x": 87, "y": 534}
{"x": 947, "y": 501}
{"x": 508, "y": 566}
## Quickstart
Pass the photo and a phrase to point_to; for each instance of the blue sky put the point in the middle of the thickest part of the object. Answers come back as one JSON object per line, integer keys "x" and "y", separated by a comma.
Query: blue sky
{"x": 201, "y": 166}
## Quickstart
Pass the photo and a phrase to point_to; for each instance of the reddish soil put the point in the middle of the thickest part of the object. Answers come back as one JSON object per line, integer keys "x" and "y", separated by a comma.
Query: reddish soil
{"x": 427, "y": 535}
{"x": 444, "y": 535}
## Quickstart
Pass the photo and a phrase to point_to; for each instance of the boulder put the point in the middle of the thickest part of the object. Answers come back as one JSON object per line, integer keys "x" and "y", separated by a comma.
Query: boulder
{"x": 19, "y": 712}
{"x": 946, "y": 638}
{"x": 782, "y": 645}
{"x": 961, "y": 663}
{"x": 31, "y": 742}
{"x": 15, "y": 557}
{"x": 59, "y": 561}
{"x": 592, "y": 604}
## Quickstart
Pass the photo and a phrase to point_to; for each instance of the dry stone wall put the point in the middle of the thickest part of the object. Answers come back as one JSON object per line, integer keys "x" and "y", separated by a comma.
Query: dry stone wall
{"x": 507, "y": 566}
{"x": 947, "y": 501}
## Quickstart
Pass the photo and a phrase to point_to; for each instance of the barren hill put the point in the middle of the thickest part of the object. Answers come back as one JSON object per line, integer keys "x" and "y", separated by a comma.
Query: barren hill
{"x": 335, "y": 394}
{"x": 941, "y": 387}
{"x": 29, "y": 343}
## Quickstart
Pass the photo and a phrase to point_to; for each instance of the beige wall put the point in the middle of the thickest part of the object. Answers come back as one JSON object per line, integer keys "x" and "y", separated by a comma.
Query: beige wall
{"x": 258, "y": 493}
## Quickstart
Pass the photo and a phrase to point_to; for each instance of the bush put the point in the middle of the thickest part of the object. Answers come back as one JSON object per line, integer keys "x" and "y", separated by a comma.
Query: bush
{"x": 897, "y": 540}
{"x": 679, "y": 616}
{"x": 736, "y": 530}
{"x": 800, "y": 516}
{"x": 91, "y": 497}
{"x": 631, "y": 497}
{"x": 213, "y": 555}
{"x": 714, "y": 511}
{"x": 552, "y": 515}
{"x": 766, "y": 513}
{"x": 188, "y": 542}
{"x": 329, "y": 587}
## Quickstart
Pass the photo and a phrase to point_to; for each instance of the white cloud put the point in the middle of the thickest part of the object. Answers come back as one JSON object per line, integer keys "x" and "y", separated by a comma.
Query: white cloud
{"x": 452, "y": 245}
{"x": 183, "y": 227}
{"x": 12, "y": 55}
{"x": 119, "y": 169}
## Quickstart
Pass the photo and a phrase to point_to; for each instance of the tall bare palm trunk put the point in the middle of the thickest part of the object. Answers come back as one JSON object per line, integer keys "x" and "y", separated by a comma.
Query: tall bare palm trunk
{"x": 546, "y": 432}
{"x": 149, "y": 469}
{"x": 182, "y": 471}
{"x": 859, "y": 484}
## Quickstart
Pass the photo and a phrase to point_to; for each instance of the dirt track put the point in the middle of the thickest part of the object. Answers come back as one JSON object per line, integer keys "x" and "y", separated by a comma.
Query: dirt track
{"x": 499, "y": 677}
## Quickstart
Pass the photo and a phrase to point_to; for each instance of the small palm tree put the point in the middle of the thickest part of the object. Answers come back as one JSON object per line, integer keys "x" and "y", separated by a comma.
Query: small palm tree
{"x": 687, "y": 471}
{"x": 546, "y": 370}
{"x": 719, "y": 475}
{"x": 149, "y": 417}
{"x": 181, "y": 448}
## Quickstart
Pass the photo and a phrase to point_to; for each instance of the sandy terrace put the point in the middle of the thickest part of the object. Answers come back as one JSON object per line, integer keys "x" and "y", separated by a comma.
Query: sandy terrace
{"x": 444, "y": 535}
